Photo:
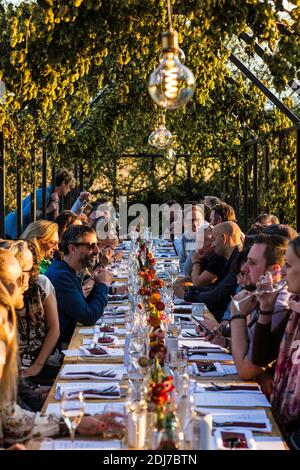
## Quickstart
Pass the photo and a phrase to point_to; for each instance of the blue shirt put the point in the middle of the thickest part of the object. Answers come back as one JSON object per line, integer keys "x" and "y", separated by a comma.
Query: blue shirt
{"x": 11, "y": 218}
{"x": 72, "y": 306}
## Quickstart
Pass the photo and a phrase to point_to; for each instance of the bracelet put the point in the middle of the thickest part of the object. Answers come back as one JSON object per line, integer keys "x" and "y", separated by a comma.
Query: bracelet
{"x": 236, "y": 316}
{"x": 265, "y": 312}
{"x": 196, "y": 262}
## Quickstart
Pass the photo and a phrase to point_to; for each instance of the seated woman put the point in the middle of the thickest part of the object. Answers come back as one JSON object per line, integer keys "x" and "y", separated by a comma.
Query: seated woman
{"x": 283, "y": 345}
{"x": 44, "y": 235}
{"x": 18, "y": 425}
{"x": 64, "y": 220}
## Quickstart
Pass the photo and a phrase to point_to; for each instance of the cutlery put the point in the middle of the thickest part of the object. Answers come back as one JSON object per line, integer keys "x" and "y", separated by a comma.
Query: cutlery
{"x": 239, "y": 424}
{"x": 111, "y": 391}
{"x": 105, "y": 373}
{"x": 196, "y": 349}
{"x": 199, "y": 353}
{"x": 192, "y": 335}
{"x": 220, "y": 388}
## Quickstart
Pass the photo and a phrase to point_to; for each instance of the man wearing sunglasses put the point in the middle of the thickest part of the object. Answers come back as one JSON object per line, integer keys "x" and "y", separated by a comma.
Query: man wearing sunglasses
{"x": 79, "y": 246}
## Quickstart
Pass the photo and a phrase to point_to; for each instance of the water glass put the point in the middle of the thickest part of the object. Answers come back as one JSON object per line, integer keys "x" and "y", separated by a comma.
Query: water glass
{"x": 72, "y": 410}
{"x": 178, "y": 361}
{"x": 115, "y": 419}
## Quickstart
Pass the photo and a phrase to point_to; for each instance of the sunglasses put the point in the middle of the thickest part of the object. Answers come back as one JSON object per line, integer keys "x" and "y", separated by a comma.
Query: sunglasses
{"x": 90, "y": 246}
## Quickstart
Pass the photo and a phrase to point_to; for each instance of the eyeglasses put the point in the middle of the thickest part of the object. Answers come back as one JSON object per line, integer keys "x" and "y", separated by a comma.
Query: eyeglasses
{"x": 90, "y": 246}
{"x": 21, "y": 280}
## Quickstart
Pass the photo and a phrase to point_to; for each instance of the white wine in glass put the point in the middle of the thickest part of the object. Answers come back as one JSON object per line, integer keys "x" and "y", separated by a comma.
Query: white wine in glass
{"x": 72, "y": 410}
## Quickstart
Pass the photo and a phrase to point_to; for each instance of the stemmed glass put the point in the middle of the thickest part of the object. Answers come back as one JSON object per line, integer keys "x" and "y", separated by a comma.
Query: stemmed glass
{"x": 173, "y": 273}
{"x": 72, "y": 410}
{"x": 178, "y": 361}
{"x": 262, "y": 290}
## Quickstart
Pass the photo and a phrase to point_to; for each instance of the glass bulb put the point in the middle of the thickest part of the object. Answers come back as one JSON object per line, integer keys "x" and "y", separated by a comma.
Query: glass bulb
{"x": 171, "y": 84}
{"x": 180, "y": 54}
{"x": 161, "y": 138}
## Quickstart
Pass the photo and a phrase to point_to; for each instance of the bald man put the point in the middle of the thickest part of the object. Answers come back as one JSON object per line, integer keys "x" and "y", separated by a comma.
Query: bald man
{"x": 226, "y": 239}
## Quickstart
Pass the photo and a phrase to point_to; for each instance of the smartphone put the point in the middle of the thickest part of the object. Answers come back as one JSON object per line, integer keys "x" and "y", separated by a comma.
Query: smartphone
{"x": 202, "y": 326}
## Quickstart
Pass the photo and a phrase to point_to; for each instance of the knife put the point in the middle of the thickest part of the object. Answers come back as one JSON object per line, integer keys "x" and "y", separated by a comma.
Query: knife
{"x": 96, "y": 374}
{"x": 238, "y": 424}
{"x": 233, "y": 388}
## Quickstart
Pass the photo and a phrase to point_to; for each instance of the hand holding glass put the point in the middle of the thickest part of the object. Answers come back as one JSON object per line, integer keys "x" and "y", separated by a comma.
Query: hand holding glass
{"x": 72, "y": 410}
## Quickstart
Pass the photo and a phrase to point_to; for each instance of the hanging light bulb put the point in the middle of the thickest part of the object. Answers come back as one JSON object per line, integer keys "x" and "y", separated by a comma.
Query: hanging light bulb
{"x": 161, "y": 138}
{"x": 171, "y": 84}
{"x": 180, "y": 54}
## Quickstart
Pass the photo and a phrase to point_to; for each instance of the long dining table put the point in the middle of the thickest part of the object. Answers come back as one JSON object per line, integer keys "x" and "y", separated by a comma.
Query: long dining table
{"x": 264, "y": 440}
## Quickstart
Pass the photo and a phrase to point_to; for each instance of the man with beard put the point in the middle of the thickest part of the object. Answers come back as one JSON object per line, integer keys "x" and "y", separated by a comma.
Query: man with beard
{"x": 266, "y": 255}
{"x": 80, "y": 250}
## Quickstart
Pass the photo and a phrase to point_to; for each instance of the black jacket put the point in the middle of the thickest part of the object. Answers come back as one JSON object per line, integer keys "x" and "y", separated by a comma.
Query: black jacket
{"x": 216, "y": 297}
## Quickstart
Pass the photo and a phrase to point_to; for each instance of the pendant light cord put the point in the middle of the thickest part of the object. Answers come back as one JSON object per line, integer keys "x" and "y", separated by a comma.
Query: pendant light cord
{"x": 170, "y": 15}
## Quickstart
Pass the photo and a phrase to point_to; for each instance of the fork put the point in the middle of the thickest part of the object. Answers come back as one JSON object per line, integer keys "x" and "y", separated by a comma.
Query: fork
{"x": 192, "y": 335}
{"x": 103, "y": 391}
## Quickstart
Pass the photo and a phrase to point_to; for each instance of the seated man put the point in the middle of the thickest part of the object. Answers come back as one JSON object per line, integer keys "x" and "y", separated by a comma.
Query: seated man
{"x": 193, "y": 218}
{"x": 267, "y": 254}
{"x": 222, "y": 212}
{"x": 226, "y": 242}
{"x": 79, "y": 246}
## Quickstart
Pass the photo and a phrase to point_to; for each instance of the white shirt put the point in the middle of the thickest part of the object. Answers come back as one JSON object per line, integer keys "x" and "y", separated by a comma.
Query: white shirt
{"x": 45, "y": 284}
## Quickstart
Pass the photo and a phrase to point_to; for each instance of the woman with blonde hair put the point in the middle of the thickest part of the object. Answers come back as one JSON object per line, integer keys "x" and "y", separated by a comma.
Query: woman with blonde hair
{"x": 44, "y": 234}
{"x": 16, "y": 424}
{"x": 38, "y": 324}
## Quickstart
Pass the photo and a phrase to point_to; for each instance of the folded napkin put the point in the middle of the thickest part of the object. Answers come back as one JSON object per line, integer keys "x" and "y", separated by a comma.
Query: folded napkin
{"x": 209, "y": 369}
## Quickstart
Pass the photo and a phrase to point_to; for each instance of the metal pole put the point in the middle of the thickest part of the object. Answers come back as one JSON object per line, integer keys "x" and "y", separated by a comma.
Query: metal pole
{"x": 2, "y": 186}
{"x": 115, "y": 182}
{"x": 255, "y": 182}
{"x": 246, "y": 202}
{"x": 44, "y": 183}
{"x": 298, "y": 180}
{"x": 33, "y": 187}
{"x": 81, "y": 177}
{"x": 76, "y": 192}
{"x": 237, "y": 195}
{"x": 279, "y": 104}
{"x": 267, "y": 180}
{"x": 53, "y": 172}
{"x": 188, "y": 173}
{"x": 19, "y": 200}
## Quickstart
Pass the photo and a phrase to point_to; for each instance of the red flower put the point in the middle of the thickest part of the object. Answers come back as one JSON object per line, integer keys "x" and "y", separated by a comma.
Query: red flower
{"x": 160, "y": 306}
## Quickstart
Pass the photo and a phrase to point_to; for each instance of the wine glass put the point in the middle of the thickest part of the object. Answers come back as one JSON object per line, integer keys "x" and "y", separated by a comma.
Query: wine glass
{"x": 173, "y": 273}
{"x": 72, "y": 410}
{"x": 262, "y": 290}
{"x": 178, "y": 361}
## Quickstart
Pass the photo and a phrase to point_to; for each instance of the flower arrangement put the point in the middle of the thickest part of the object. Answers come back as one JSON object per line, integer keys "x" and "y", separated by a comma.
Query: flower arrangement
{"x": 159, "y": 391}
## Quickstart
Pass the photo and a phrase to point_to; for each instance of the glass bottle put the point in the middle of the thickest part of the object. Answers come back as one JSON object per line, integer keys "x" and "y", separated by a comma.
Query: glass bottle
{"x": 170, "y": 436}
{"x": 136, "y": 423}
